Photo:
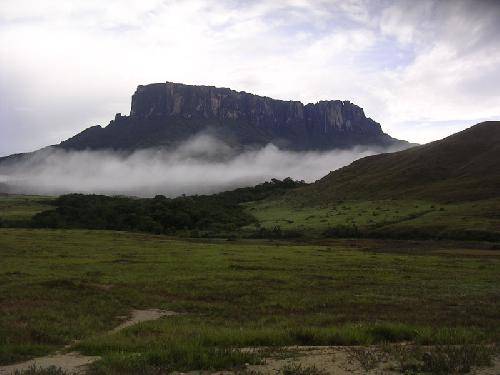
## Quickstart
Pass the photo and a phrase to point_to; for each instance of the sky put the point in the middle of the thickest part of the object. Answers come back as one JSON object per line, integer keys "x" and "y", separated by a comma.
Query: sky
{"x": 423, "y": 69}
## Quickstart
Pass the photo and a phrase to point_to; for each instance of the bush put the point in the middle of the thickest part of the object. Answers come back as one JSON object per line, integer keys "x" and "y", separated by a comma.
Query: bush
{"x": 218, "y": 213}
{"x": 441, "y": 360}
{"x": 343, "y": 231}
{"x": 297, "y": 369}
{"x": 33, "y": 370}
{"x": 455, "y": 359}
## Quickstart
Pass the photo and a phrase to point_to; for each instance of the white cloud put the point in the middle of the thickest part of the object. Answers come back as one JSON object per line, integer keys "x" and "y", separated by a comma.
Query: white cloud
{"x": 67, "y": 64}
{"x": 455, "y": 72}
{"x": 199, "y": 166}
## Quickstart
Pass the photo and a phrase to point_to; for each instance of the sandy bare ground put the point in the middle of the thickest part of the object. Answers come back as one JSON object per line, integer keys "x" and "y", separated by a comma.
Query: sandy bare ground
{"x": 328, "y": 360}
{"x": 76, "y": 363}
{"x": 338, "y": 360}
{"x": 138, "y": 316}
{"x": 73, "y": 362}
{"x": 335, "y": 360}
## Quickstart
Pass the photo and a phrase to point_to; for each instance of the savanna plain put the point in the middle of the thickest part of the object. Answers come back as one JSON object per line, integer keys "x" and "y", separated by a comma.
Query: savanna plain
{"x": 298, "y": 305}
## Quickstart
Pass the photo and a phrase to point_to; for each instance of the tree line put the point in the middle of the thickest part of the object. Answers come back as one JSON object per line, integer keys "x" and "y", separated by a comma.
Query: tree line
{"x": 220, "y": 212}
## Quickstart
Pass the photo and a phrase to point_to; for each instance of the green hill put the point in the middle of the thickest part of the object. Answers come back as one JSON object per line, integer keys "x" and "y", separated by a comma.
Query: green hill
{"x": 462, "y": 167}
{"x": 445, "y": 189}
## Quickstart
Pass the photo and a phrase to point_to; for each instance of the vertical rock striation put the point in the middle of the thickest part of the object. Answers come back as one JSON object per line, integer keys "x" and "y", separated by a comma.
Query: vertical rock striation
{"x": 164, "y": 114}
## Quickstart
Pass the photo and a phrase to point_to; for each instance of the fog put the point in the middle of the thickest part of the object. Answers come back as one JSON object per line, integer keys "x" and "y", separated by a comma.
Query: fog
{"x": 199, "y": 166}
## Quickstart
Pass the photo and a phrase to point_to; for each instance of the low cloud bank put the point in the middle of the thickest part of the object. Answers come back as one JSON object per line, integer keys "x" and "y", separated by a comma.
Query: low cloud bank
{"x": 201, "y": 165}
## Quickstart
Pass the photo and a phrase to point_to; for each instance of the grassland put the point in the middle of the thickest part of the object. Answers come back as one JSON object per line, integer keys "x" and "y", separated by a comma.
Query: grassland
{"x": 390, "y": 218}
{"x": 15, "y": 209}
{"x": 57, "y": 286}
{"x": 290, "y": 216}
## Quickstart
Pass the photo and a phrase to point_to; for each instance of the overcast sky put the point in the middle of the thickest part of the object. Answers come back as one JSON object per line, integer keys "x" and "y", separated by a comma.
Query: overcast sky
{"x": 423, "y": 69}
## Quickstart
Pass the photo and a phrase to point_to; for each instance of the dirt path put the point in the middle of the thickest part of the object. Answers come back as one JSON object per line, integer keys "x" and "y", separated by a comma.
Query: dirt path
{"x": 337, "y": 360}
{"x": 76, "y": 363}
{"x": 139, "y": 316}
{"x": 73, "y": 363}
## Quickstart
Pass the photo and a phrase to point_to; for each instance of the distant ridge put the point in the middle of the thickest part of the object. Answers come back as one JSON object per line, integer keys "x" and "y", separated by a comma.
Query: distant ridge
{"x": 463, "y": 166}
{"x": 165, "y": 114}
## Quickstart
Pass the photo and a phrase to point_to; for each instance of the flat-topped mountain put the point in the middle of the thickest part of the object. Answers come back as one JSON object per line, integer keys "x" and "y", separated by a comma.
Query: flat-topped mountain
{"x": 165, "y": 114}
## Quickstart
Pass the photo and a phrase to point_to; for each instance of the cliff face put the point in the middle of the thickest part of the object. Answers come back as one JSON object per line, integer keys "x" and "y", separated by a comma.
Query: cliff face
{"x": 169, "y": 113}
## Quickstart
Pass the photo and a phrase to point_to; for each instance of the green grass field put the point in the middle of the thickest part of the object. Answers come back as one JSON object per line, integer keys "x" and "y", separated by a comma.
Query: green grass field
{"x": 57, "y": 286}
{"x": 363, "y": 213}
{"x": 390, "y": 217}
{"x": 19, "y": 208}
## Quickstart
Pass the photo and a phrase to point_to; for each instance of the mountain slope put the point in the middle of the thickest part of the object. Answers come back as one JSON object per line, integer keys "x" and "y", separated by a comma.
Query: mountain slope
{"x": 464, "y": 166}
{"x": 165, "y": 114}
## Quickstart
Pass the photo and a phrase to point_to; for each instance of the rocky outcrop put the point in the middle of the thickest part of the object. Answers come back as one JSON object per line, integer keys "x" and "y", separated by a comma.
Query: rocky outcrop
{"x": 164, "y": 114}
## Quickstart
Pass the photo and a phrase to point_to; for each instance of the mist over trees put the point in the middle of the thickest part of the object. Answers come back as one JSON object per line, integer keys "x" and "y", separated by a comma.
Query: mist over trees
{"x": 160, "y": 215}
{"x": 202, "y": 165}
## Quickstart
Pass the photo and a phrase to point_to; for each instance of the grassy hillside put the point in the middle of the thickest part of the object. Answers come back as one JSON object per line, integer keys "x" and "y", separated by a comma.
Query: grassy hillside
{"x": 445, "y": 189}
{"x": 403, "y": 219}
{"x": 61, "y": 285}
{"x": 462, "y": 167}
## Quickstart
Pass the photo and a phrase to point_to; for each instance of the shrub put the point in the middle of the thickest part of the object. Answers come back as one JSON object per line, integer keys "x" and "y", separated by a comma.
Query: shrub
{"x": 343, "y": 231}
{"x": 297, "y": 369}
{"x": 33, "y": 370}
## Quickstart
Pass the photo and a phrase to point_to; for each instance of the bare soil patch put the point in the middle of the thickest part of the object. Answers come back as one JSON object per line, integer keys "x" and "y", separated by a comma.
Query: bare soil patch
{"x": 139, "y": 316}
{"x": 335, "y": 360}
{"x": 76, "y": 363}
{"x": 73, "y": 363}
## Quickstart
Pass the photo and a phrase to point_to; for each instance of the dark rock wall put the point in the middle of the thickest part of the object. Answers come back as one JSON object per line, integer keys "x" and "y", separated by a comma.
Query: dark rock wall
{"x": 169, "y": 113}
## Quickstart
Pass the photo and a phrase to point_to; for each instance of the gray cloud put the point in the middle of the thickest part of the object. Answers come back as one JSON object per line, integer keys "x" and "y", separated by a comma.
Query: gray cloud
{"x": 201, "y": 165}
{"x": 67, "y": 65}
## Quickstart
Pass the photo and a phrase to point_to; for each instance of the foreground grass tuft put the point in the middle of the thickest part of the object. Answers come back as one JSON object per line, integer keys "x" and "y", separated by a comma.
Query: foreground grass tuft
{"x": 176, "y": 357}
{"x": 33, "y": 370}
{"x": 298, "y": 369}
{"x": 367, "y": 357}
{"x": 57, "y": 286}
{"x": 441, "y": 360}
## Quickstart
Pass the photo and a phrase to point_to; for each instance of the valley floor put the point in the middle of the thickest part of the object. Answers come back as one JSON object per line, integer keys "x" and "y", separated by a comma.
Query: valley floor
{"x": 421, "y": 306}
